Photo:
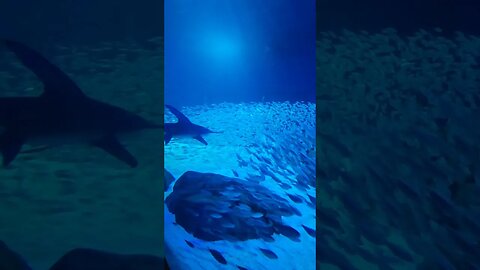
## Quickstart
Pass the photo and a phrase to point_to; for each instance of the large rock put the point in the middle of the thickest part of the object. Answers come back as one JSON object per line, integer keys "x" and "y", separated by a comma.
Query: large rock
{"x": 10, "y": 260}
{"x": 215, "y": 207}
{"x": 83, "y": 259}
{"x": 167, "y": 179}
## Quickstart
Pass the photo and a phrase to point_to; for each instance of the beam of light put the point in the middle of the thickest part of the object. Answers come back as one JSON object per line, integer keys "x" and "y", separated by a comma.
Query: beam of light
{"x": 238, "y": 50}
{"x": 222, "y": 50}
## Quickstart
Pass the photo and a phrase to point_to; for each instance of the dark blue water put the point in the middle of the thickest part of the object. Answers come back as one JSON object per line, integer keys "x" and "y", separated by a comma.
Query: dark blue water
{"x": 81, "y": 22}
{"x": 405, "y": 16}
{"x": 239, "y": 51}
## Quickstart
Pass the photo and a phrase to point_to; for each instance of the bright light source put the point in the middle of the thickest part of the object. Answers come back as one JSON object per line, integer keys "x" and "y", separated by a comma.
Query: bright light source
{"x": 221, "y": 48}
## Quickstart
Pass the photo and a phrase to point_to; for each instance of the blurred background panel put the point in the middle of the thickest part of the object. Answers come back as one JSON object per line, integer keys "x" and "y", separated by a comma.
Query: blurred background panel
{"x": 397, "y": 106}
{"x": 60, "y": 198}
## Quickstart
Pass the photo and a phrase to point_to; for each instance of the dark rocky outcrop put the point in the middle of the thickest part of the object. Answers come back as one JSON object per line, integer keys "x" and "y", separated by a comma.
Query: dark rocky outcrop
{"x": 167, "y": 179}
{"x": 215, "y": 207}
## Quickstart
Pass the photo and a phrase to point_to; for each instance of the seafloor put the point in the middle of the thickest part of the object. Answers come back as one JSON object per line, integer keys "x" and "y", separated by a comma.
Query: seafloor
{"x": 270, "y": 149}
{"x": 398, "y": 151}
{"x": 76, "y": 196}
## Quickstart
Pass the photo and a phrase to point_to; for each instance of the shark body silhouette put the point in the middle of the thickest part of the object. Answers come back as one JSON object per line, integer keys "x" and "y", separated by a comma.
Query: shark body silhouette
{"x": 185, "y": 128}
{"x": 62, "y": 114}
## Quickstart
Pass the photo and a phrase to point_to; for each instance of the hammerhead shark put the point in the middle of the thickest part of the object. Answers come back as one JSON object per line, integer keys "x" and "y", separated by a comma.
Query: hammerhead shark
{"x": 185, "y": 128}
{"x": 62, "y": 114}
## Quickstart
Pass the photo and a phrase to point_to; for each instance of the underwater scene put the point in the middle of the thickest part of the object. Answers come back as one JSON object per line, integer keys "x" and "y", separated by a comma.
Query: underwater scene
{"x": 398, "y": 149}
{"x": 240, "y": 135}
{"x": 54, "y": 199}
{"x": 80, "y": 188}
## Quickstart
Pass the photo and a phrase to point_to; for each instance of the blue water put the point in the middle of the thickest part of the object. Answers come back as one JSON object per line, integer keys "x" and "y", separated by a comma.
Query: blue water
{"x": 238, "y": 51}
{"x": 246, "y": 68}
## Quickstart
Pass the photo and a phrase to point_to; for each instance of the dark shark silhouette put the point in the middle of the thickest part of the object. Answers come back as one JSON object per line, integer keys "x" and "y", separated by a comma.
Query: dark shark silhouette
{"x": 62, "y": 114}
{"x": 185, "y": 128}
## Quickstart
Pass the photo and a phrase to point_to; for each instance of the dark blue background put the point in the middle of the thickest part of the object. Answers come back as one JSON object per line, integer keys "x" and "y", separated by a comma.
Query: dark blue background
{"x": 80, "y": 22}
{"x": 407, "y": 16}
{"x": 239, "y": 50}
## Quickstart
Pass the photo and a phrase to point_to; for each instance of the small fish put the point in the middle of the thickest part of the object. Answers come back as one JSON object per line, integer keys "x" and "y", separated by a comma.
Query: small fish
{"x": 285, "y": 186}
{"x": 329, "y": 218}
{"x": 295, "y": 198}
{"x": 288, "y": 232}
{"x": 201, "y": 197}
{"x": 373, "y": 231}
{"x": 257, "y": 215}
{"x": 335, "y": 143}
{"x": 228, "y": 225}
{"x": 256, "y": 178}
{"x": 218, "y": 256}
{"x": 268, "y": 253}
{"x": 241, "y": 268}
{"x": 268, "y": 239}
{"x": 231, "y": 194}
{"x": 400, "y": 252}
{"x": 235, "y": 173}
{"x": 189, "y": 244}
{"x": 310, "y": 231}
{"x": 215, "y": 215}
{"x": 312, "y": 199}
{"x": 244, "y": 207}
{"x": 241, "y": 161}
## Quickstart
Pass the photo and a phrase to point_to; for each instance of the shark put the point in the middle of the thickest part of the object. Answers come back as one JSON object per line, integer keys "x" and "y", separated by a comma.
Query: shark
{"x": 185, "y": 128}
{"x": 62, "y": 114}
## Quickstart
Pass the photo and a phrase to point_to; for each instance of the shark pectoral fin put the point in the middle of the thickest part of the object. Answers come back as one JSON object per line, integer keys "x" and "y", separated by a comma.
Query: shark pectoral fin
{"x": 168, "y": 137}
{"x": 200, "y": 139}
{"x": 111, "y": 145}
{"x": 10, "y": 145}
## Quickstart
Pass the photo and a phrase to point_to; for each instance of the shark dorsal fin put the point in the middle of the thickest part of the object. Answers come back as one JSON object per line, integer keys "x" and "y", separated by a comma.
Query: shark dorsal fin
{"x": 56, "y": 83}
{"x": 181, "y": 117}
